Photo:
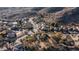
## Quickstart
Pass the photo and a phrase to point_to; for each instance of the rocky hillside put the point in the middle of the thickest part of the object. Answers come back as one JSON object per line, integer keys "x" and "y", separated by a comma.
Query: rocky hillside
{"x": 39, "y": 29}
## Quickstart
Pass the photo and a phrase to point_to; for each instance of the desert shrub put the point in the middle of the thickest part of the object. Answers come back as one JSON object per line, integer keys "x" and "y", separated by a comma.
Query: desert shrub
{"x": 29, "y": 38}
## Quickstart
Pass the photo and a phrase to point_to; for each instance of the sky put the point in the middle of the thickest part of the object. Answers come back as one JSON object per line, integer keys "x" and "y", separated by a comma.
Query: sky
{"x": 39, "y": 3}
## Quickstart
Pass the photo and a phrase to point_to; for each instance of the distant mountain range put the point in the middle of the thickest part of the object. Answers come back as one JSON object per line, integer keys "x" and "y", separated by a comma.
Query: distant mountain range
{"x": 63, "y": 14}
